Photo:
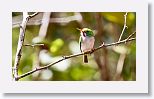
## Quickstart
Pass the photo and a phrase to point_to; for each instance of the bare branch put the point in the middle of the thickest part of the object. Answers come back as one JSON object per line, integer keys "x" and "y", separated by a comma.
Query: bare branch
{"x": 130, "y": 36}
{"x": 75, "y": 55}
{"x": 26, "y": 17}
{"x": 33, "y": 45}
{"x": 124, "y": 27}
{"x": 42, "y": 34}
{"x": 120, "y": 66}
{"x": 44, "y": 25}
{"x": 33, "y": 15}
{"x": 38, "y": 21}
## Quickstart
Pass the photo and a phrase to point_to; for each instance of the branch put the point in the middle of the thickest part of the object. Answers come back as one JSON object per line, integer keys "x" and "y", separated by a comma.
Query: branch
{"x": 124, "y": 27}
{"x": 38, "y": 20}
{"x": 120, "y": 66}
{"x": 32, "y": 15}
{"x": 33, "y": 45}
{"x": 42, "y": 34}
{"x": 75, "y": 55}
{"x": 26, "y": 17}
{"x": 130, "y": 36}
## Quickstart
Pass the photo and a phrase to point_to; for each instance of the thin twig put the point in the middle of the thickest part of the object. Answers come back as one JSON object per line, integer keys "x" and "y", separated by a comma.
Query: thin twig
{"x": 32, "y": 15}
{"x": 130, "y": 36}
{"x": 33, "y": 45}
{"x": 26, "y": 17}
{"x": 75, "y": 55}
{"x": 124, "y": 27}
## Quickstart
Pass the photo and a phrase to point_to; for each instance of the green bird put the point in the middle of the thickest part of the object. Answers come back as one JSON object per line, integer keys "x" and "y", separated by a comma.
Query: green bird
{"x": 86, "y": 41}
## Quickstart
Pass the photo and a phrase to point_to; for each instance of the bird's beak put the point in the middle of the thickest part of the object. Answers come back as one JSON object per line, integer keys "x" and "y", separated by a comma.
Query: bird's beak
{"x": 79, "y": 29}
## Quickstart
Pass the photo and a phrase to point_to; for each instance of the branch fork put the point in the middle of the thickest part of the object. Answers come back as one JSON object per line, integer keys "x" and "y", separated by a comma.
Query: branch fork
{"x": 21, "y": 43}
{"x": 125, "y": 26}
{"x": 26, "y": 17}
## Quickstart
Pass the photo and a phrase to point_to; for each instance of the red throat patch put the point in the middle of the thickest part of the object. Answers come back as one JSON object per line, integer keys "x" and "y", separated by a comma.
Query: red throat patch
{"x": 84, "y": 34}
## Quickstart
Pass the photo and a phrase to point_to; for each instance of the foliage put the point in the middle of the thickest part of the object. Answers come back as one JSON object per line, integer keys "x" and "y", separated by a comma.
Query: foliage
{"x": 62, "y": 39}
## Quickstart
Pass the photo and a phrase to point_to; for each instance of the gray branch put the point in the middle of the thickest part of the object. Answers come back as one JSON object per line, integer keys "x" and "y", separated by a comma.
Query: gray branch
{"x": 75, "y": 55}
{"x": 124, "y": 27}
{"x": 26, "y": 17}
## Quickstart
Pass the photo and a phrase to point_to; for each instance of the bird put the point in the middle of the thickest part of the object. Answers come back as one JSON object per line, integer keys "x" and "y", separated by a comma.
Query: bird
{"x": 86, "y": 41}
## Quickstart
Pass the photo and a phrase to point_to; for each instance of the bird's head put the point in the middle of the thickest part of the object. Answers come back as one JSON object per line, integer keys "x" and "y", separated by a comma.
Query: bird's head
{"x": 86, "y": 32}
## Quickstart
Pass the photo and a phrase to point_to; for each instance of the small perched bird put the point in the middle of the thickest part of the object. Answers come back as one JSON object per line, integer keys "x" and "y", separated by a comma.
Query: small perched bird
{"x": 86, "y": 41}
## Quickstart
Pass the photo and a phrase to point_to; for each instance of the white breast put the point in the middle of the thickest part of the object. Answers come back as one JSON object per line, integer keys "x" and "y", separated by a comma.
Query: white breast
{"x": 87, "y": 44}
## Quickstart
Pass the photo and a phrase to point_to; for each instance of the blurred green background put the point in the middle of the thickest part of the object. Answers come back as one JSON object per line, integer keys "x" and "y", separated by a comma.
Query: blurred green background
{"x": 57, "y": 30}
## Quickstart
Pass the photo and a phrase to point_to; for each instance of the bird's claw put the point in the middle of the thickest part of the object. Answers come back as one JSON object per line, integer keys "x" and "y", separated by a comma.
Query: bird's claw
{"x": 92, "y": 50}
{"x": 102, "y": 44}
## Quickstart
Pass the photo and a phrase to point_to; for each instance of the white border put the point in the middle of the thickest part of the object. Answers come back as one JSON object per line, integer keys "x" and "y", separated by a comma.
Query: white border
{"x": 138, "y": 86}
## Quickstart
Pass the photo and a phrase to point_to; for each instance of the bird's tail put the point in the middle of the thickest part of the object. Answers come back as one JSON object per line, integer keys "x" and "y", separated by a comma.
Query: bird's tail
{"x": 85, "y": 59}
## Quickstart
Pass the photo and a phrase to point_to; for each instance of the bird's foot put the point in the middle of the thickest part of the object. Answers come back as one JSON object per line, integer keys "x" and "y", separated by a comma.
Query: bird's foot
{"x": 92, "y": 50}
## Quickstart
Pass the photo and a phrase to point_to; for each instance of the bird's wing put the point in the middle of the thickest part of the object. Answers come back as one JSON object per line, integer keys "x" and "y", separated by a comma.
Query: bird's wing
{"x": 80, "y": 40}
